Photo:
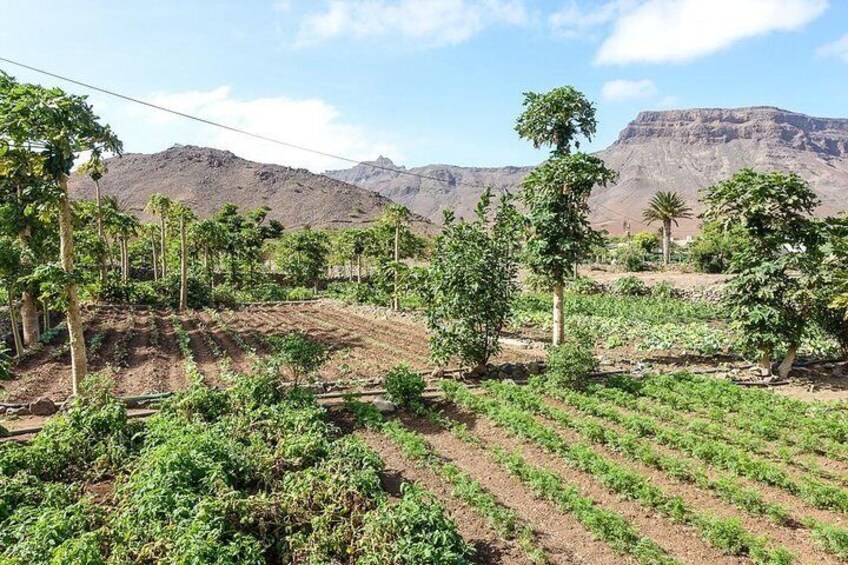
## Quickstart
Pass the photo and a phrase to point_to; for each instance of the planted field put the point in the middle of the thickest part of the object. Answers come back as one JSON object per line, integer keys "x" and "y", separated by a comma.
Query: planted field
{"x": 148, "y": 350}
{"x": 661, "y": 469}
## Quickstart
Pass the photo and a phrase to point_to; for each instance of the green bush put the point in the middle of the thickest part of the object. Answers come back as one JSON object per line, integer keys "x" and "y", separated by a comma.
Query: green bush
{"x": 199, "y": 291}
{"x": 404, "y": 387}
{"x": 224, "y": 297}
{"x": 414, "y": 531}
{"x": 301, "y": 354}
{"x": 630, "y": 258}
{"x": 646, "y": 241}
{"x": 629, "y": 286}
{"x": 300, "y": 293}
{"x": 571, "y": 363}
{"x": 582, "y": 285}
{"x": 665, "y": 289}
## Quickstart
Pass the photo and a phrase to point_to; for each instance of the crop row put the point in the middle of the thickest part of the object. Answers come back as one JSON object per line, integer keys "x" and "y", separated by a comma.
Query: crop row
{"x": 788, "y": 452}
{"x": 250, "y": 475}
{"x": 726, "y": 535}
{"x": 768, "y": 415}
{"x": 609, "y": 526}
{"x": 464, "y": 487}
{"x": 716, "y": 453}
{"x": 833, "y": 538}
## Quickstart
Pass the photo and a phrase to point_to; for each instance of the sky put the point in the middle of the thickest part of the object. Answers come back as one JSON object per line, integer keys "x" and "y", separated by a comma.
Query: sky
{"x": 421, "y": 81}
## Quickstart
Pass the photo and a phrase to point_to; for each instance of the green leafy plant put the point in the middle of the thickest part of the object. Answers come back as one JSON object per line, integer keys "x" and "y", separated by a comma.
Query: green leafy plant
{"x": 629, "y": 286}
{"x": 404, "y": 387}
{"x": 300, "y": 353}
{"x": 470, "y": 284}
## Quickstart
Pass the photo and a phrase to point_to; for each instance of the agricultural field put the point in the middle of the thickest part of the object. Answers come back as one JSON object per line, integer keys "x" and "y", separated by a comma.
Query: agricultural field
{"x": 145, "y": 349}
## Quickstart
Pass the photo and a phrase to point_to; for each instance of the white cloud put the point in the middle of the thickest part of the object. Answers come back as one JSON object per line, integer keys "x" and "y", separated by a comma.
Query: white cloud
{"x": 429, "y": 23}
{"x": 622, "y": 90}
{"x": 574, "y": 21}
{"x": 837, "y": 49}
{"x": 656, "y": 31}
{"x": 308, "y": 123}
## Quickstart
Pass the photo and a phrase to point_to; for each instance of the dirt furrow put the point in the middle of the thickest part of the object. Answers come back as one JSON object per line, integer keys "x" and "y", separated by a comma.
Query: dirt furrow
{"x": 489, "y": 547}
{"x": 203, "y": 355}
{"x": 562, "y": 536}
{"x": 799, "y": 542}
{"x": 240, "y": 360}
{"x": 681, "y": 541}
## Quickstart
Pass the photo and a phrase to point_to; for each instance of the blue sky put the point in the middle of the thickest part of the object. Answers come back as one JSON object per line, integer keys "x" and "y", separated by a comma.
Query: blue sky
{"x": 423, "y": 81}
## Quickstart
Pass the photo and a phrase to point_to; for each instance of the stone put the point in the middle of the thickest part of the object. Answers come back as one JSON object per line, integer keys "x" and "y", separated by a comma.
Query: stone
{"x": 17, "y": 411}
{"x": 383, "y": 405}
{"x": 42, "y": 407}
{"x": 438, "y": 373}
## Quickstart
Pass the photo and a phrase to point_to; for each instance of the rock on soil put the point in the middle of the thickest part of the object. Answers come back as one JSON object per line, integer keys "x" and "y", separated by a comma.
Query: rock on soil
{"x": 42, "y": 407}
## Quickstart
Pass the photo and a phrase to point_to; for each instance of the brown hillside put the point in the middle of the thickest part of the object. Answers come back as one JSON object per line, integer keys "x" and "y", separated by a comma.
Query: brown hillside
{"x": 205, "y": 178}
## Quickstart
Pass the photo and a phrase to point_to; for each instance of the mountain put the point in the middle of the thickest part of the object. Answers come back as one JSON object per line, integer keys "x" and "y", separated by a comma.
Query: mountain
{"x": 681, "y": 150}
{"x": 205, "y": 178}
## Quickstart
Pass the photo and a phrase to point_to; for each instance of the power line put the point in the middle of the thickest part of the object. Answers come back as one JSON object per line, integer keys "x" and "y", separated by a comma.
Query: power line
{"x": 259, "y": 136}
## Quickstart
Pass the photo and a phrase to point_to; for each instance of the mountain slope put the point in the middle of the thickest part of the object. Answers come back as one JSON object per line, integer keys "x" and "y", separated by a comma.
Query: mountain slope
{"x": 205, "y": 178}
{"x": 682, "y": 150}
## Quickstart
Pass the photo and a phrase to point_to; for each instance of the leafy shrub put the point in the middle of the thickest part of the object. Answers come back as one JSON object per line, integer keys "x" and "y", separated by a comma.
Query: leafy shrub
{"x": 224, "y": 297}
{"x": 629, "y": 286}
{"x": 571, "y": 363}
{"x": 404, "y": 387}
{"x": 413, "y": 531}
{"x": 646, "y": 241}
{"x": 582, "y": 285}
{"x": 300, "y": 293}
{"x": 199, "y": 292}
{"x": 352, "y": 292}
{"x": 630, "y": 258}
{"x": 665, "y": 289}
{"x": 714, "y": 247}
{"x": 301, "y": 354}
{"x": 5, "y": 363}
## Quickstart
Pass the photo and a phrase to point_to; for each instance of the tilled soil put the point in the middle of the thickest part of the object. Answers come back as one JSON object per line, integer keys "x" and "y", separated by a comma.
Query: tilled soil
{"x": 489, "y": 547}
{"x": 142, "y": 350}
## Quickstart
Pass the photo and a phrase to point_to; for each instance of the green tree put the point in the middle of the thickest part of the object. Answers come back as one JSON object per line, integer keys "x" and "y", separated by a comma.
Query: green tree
{"x": 182, "y": 214}
{"x": 397, "y": 217}
{"x": 557, "y": 193}
{"x": 667, "y": 208}
{"x": 209, "y": 239}
{"x": 713, "y": 248}
{"x": 302, "y": 256}
{"x": 471, "y": 283}
{"x": 769, "y": 297}
{"x": 10, "y": 271}
{"x": 830, "y": 282}
{"x": 96, "y": 168}
{"x": 57, "y": 127}
{"x": 159, "y": 205}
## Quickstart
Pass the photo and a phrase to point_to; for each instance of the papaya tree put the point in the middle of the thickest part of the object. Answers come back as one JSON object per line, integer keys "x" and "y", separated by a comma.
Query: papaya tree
{"x": 95, "y": 169}
{"x": 471, "y": 282}
{"x": 10, "y": 271}
{"x": 769, "y": 297}
{"x": 556, "y": 194}
{"x": 159, "y": 205}
{"x": 397, "y": 217}
{"x": 302, "y": 256}
{"x": 182, "y": 214}
{"x": 56, "y": 128}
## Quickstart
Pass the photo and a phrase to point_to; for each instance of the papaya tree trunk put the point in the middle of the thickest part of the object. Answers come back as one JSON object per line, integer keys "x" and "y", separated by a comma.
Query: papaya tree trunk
{"x": 183, "y": 267}
{"x": 125, "y": 260}
{"x": 29, "y": 318}
{"x": 79, "y": 362}
{"x": 786, "y": 365}
{"x": 100, "y": 235}
{"x": 29, "y": 311}
{"x": 395, "y": 294}
{"x": 45, "y": 312}
{"x": 559, "y": 320}
{"x": 13, "y": 322}
{"x": 359, "y": 268}
{"x": 155, "y": 260}
{"x": 163, "y": 228}
{"x": 765, "y": 363}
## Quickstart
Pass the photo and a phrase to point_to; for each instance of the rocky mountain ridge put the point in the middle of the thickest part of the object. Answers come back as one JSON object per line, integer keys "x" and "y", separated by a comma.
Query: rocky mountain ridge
{"x": 681, "y": 150}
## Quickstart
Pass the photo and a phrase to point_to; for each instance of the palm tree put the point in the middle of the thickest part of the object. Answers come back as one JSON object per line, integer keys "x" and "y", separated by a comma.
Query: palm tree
{"x": 666, "y": 207}
{"x": 158, "y": 205}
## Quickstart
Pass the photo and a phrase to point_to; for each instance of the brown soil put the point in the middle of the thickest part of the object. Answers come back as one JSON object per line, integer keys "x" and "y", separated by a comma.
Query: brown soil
{"x": 798, "y": 541}
{"x": 564, "y": 538}
{"x": 682, "y": 542}
{"x": 489, "y": 547}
